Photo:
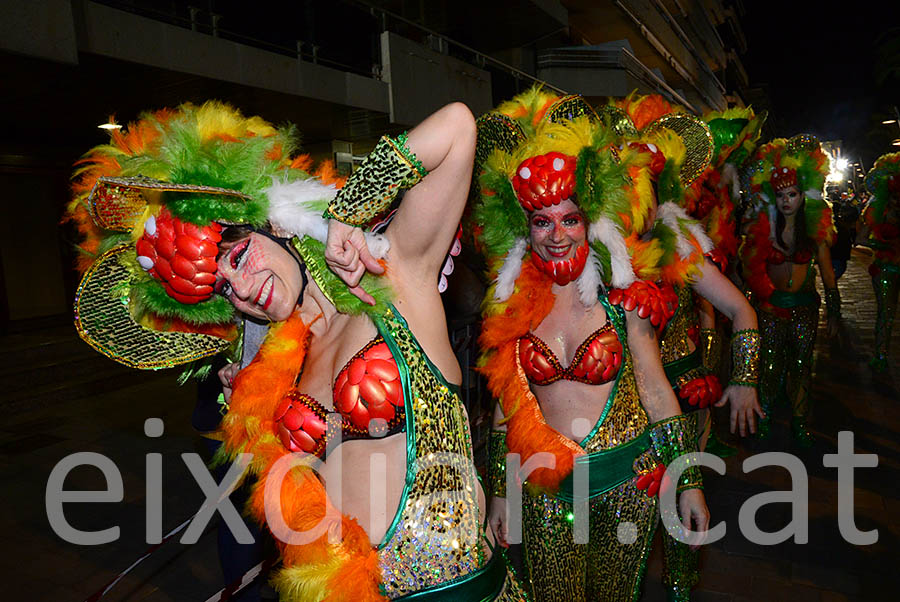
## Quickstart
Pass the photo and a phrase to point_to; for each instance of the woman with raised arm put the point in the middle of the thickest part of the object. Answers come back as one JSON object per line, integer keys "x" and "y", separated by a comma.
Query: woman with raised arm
{"x": 359, "y": 440}
{"x": 791, "y": 230}
{"x": 882, "y": 218}
{"x": 576, "y": 376}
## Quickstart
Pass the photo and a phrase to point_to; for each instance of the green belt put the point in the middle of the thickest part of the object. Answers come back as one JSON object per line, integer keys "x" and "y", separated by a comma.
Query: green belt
{"x": 482, "y": 585}
{"x": 787, "y": 300}
{"x": 607, "y": 469}
{"x": 682, "y": 365}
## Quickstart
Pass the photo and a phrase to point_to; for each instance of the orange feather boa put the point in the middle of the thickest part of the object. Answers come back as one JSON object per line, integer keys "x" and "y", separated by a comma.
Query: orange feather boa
{"x": 319, "y": 571}
{"x": 527, "y": 431}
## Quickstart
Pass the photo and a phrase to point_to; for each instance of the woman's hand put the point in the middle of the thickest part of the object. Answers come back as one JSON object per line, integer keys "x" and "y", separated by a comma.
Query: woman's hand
{"x": 744, "y": 408}
{"x": 227, "y": 374}
{"x": 348, "y": 256}
{"x": 497, "y": 520}
{"x": 694, "y": 515}
{"x": 832, "y": 326}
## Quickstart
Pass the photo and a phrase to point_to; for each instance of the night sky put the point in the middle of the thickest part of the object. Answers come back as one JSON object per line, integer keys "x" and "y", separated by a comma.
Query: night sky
{"x": 821, "y": 64}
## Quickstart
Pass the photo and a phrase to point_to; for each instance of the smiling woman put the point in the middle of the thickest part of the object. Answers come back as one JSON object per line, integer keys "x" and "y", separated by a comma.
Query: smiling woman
{"x": 341, "y": 367}
{"x": 259, "y": 276}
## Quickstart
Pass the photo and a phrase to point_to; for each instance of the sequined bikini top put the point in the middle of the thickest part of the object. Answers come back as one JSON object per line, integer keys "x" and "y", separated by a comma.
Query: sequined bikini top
{"x": 597, "y": 359}
{"x": 776, "y": 257}
{"x": 367, "y": 394}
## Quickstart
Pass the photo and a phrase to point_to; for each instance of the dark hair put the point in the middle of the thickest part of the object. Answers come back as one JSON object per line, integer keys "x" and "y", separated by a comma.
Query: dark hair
{"x": 231, "y": 235}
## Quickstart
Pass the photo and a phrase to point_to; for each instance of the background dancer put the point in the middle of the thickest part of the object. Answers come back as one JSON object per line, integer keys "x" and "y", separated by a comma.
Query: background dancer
{"x": 792, "y": 229}
{"x": 882, "y": 217}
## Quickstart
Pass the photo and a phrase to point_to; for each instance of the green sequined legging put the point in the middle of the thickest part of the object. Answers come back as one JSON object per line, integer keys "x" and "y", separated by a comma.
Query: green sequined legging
{"x": 887, "y": 286}
{"x": 602, "y": 569}
{"x": 785, "y": 357}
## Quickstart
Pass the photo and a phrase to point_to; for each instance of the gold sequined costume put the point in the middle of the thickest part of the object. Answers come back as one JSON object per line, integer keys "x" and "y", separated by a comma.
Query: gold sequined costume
{"x": 436, "y": 536}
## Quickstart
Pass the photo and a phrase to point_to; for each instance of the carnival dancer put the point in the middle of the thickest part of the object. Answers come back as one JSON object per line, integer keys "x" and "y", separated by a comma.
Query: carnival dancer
{"x": 689, "y": 371}
{"x": 575, "y": 374}
{"x": 204, "y": 213}
{"x": 791, "y": 230}
{"x": 882, "y": 218}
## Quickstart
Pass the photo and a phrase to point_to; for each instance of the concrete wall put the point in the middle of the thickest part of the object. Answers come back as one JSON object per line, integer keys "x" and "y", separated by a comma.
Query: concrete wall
{"x": 422, "y": 80}
{"x": 44, "y": 29}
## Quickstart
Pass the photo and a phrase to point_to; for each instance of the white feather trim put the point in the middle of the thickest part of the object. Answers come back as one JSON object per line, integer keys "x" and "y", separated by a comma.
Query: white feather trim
{"x": 291, "y": 206}
{"x": 378, "y": 245}
{"x": 589, "y": 280}
{"x": 291, "y": 210}
{"x": 730, "y": 176}
{"x": 606, "y": 232}
{"x": 509, "y": 271}
{"x": 674, "y": 216}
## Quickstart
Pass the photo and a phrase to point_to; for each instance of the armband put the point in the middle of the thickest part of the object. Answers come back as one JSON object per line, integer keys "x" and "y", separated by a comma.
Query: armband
{"x": 370, "y": 190}
{"x": 670, "y": 439}
{"x": 745, "y": 358}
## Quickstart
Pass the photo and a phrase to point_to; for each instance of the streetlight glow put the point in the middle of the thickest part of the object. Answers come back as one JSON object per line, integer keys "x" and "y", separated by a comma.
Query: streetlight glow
{"x": 841, "y": 164}
{"x": 109, "y": 126}
{"x": 889, "y": 121}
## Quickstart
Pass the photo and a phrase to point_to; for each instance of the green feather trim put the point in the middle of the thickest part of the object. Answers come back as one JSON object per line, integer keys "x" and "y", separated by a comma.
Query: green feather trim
{"x": 313, "y": 253}
{"x": 668, "y": 241}
{"x": 150, "y": 296}
{"x": 668, "y": 186}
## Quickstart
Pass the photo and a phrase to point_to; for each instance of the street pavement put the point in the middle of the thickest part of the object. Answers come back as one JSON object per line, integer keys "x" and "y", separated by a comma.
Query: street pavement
{"x": 62, "y": 398}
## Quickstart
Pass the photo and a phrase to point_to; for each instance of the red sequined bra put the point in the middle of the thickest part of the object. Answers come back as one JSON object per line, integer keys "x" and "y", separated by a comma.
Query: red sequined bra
{"x": 597, "y": 359}
{"x": 776, "y": 257}
{"x": 367, "y": 393}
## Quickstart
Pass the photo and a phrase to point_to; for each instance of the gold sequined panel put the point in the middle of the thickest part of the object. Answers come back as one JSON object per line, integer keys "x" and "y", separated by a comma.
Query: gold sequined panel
{"x": 117, "y": 203}
{"x": 116, "y": 207}
{"x": 568, "y": 108}
{"x": 697, "y": 140}
{"x": 618, "y": 120}
{"x": 626, "y": 419}
{"x": 495, "y": 131}
{"x": 103, "y": 320}
{"x": 611, "y": 566}
{"x": 674, "y": 343}
{"x": 438, "y": 535}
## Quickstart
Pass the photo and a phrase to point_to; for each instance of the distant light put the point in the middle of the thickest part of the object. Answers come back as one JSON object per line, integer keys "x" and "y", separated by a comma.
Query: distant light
{"x": 109, "y": 126}
{"x": 888, "y": 121}
{"x": 841, "y": 164}
{"x": 896, "y": 143}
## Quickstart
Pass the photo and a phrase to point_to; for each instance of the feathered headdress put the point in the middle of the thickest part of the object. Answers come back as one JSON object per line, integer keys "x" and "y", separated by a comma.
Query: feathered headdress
{"x": 712, "y": 198}
{"x": 150, "y": 206}
{"x": 684, "y": 146}
{"x": 612, "y": 186}
{"x": 883, "y": 182}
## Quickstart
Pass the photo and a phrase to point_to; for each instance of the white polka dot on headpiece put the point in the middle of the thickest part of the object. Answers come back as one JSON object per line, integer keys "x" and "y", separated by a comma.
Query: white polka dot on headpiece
{"x": 524, "y": 173}
{"x": 558, "y": 164}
